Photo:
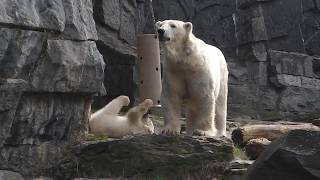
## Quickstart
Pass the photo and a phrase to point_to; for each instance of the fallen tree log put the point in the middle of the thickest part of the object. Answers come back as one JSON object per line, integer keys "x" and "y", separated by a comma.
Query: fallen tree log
{"x": 242, "y": 135}
{"x": 255, "y": 147}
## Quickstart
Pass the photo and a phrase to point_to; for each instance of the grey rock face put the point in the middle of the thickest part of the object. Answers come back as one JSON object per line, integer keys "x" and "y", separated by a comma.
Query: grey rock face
{"x": 69, "y": 66}
{"x": 33, "y": 160}
{"x": 303, "y": 102}
{"x": 294, "y": 156}
{"x": 10, "y": 93}
{"x": 108, "y": 13}
{"x": 48, "y": 117}
{"x": 33, "y": 14}
{"x": 155, "y": 156}
{"x": 79, "y": 20}
{"x": 19, "y": 51}
{"x": 270, "y": 49}
{"x": 9, "y": 175}
{"x": 213, "y": 20}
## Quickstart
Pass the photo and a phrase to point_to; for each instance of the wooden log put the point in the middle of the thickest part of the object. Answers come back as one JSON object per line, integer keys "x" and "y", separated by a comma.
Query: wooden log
{"x": 242, "y": 135}
{"x": 316, "y": 122}
{"x": 255, "y": 147}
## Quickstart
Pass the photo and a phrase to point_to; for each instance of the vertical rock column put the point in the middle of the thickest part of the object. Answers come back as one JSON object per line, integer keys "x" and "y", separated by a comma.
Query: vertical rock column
{"x": 50, "y": 68}
{"x": 118, "y": 22}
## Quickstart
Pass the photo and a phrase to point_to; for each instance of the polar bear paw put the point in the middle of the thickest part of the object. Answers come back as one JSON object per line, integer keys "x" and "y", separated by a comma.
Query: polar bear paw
{"x": 221, "y": 133}
{"x": 199, "y": 132}
{"x": 171, "y": 130}
{"x": 124, "y": 100}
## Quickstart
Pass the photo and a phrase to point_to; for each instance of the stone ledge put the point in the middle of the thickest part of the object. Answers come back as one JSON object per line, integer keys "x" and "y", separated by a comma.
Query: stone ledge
{"x": 155, "y": 156}
{"x": 291, "y": 63}
{"x": 298, "y": 81}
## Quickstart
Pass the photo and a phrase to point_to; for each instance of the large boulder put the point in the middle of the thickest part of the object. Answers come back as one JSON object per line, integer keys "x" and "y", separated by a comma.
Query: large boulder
{"x": 153, "y": 156}
{"x": 294, "y": 156}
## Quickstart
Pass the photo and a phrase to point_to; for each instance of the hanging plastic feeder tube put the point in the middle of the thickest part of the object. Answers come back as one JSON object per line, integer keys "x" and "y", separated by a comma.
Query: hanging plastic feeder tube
{"x": 149, "y": 68}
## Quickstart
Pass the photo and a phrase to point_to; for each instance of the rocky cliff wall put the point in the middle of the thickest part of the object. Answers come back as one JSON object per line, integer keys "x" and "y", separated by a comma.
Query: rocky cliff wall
{"x": 271, "y": 47}
{"x": 50, "y": 68}
{"x": 55, "y": 56}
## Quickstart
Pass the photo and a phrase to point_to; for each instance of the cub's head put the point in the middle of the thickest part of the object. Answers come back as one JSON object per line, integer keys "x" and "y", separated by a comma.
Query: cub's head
{"x": 139, "y": 120}
{"x": 173, "y": 31}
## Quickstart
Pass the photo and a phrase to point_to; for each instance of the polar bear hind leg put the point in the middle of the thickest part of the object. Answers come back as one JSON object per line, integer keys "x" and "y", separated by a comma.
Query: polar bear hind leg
{"x": 114, "y": 107}
{"x": 136, "y": 113}
{"x": 221, "y": 111}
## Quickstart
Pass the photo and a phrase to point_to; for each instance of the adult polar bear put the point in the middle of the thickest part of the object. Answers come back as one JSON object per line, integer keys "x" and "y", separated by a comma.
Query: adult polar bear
{"x": 197, "y": 72}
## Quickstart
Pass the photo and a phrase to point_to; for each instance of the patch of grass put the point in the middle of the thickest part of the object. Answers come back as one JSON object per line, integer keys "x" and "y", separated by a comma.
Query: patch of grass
{"x": 156, "y": 118}
{"x": 240, "y": 153}
{"x": 270, "y": 115}
{"x": 150, "y": 178}
{"x": 159, "y": 178}
{"x": 92, "y": 137}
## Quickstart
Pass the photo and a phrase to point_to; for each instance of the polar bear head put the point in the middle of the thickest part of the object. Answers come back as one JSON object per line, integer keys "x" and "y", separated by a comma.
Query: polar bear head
{"x": 173, "y": 31}
{"x": 138, "y": 119}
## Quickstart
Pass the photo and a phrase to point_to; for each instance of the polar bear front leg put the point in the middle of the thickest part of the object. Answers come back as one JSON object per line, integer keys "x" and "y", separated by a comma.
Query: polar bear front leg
{"x": 171, "y": 100}
{"x": 201, "y": 119}
{"x": 171, "y": 107}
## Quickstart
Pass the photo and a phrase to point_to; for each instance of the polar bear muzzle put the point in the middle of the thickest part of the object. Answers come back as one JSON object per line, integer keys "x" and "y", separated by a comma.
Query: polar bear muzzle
{"x": 161, "y": 34}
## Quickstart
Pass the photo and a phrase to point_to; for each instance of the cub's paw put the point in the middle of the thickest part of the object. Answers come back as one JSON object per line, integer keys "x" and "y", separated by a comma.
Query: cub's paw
{"x": 199, "y": 132}
{"x": 170, "y": 130}
{"x": 124, "y": 100}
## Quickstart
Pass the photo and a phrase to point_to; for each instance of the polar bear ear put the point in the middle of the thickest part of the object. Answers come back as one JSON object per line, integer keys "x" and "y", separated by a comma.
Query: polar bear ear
{"x": 188, "y": 27}
{"x": 158, "y": 24}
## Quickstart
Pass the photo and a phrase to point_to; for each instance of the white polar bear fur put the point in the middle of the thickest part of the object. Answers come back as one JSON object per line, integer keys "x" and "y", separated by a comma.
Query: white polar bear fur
{"x": 106, "y": 121}
{"x": 194, "y": 71}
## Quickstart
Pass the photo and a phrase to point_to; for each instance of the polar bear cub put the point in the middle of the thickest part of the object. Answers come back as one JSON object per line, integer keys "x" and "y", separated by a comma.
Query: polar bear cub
{"x": 106, "y": 121}
{"x": 197, "y": 73}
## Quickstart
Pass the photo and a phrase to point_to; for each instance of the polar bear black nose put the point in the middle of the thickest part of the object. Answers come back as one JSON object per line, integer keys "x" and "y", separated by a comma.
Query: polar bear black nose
{"x": 160, "y": 32}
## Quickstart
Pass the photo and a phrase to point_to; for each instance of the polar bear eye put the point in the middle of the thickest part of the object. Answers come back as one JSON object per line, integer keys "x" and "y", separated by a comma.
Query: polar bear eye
{"x": 173, "y": 26}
